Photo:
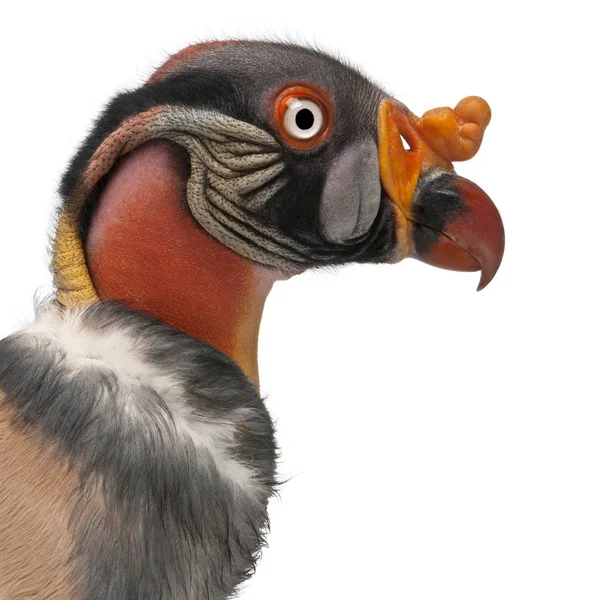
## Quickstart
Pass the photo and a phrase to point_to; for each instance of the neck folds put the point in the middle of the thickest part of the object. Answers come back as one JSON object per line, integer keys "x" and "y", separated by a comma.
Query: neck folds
{"x": 145, "y": 248}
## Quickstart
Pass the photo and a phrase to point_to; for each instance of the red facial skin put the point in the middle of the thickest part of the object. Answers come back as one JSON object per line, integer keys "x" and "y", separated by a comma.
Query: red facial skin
{"x": 184, "y": 57}
{"x": 145, "y": 248}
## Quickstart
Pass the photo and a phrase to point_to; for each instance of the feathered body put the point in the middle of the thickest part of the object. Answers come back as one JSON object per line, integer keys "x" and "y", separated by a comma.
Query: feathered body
{"x": 172, "y": 448}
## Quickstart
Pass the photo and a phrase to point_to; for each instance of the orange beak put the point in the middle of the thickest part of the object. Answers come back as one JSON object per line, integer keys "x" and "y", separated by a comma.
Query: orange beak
{"x": 442, "y": 219}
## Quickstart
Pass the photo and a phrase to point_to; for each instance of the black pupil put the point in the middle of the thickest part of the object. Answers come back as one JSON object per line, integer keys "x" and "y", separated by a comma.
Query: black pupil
{"x": 305, "y": 119}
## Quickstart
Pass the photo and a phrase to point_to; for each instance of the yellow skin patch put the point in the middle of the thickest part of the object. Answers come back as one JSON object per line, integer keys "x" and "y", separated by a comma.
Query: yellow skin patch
{"x": 441, "y": 136}
{"x": 71, "y": 275}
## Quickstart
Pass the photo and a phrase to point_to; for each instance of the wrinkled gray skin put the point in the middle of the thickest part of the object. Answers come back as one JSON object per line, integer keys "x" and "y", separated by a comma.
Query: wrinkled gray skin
{"x": 339, "y": 182}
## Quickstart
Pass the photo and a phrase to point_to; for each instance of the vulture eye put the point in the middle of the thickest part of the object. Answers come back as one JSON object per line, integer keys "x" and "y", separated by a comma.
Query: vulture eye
{"x": 303, "y": 117}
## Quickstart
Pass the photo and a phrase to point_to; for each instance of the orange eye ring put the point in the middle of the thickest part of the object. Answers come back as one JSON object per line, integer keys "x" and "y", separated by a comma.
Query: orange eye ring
{"x": 286, "y": 99}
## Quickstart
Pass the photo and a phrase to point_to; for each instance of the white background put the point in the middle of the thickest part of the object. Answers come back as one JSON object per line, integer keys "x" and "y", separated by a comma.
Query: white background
{"x": 439, "y": 443}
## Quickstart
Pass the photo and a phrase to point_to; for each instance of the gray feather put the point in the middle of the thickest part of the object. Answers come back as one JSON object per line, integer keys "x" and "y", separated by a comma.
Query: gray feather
{"x": 170, "y": 523}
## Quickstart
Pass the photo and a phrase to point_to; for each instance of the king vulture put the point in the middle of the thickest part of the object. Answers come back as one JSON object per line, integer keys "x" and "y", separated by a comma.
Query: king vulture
{"x": 137, "y": 457}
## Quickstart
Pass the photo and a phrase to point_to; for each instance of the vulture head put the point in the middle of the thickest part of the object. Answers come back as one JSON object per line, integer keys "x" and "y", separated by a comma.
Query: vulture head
{"x": 239, "y": 163}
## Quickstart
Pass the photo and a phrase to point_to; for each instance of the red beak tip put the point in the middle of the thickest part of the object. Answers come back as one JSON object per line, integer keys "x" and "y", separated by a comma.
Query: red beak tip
{"x": 487, "y": 277}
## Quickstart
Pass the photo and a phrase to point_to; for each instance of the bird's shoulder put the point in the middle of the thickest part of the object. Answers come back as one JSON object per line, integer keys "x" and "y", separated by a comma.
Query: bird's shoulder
{"x": 143, "y": 429}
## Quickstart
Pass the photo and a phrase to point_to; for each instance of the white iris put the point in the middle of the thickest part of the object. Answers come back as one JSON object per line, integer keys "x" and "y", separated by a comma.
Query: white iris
{"x": 303, "y": 118}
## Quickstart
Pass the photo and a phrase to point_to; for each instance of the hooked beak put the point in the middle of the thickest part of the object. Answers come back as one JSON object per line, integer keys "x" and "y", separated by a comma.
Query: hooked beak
{"x": 441, "y": 219}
